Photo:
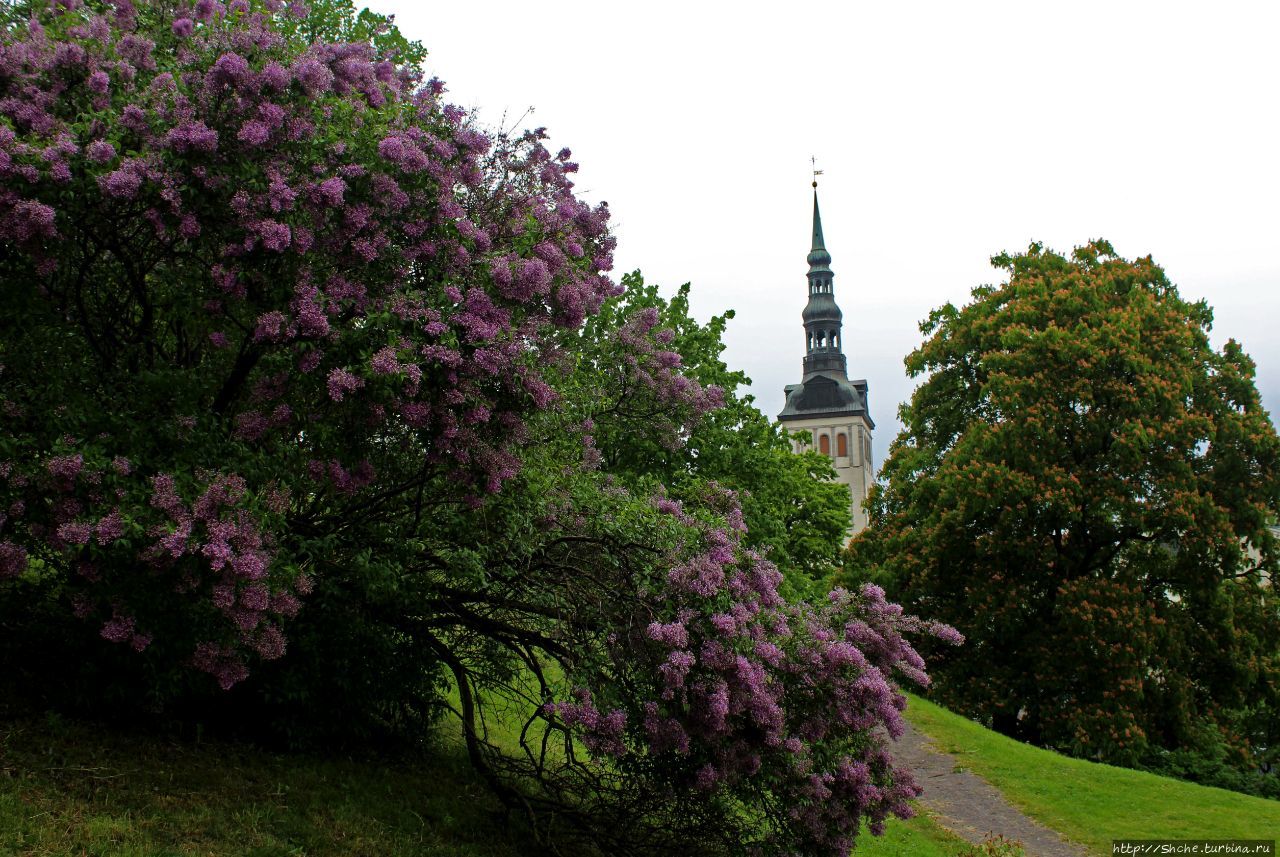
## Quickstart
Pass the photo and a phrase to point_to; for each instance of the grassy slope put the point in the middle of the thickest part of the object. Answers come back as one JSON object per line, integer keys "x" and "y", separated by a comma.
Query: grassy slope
{"x": 919, "y": 837}
{"x": 1092, "y": 803}
{"x": 69, "y": 788}
{"x": 75, "y": 789}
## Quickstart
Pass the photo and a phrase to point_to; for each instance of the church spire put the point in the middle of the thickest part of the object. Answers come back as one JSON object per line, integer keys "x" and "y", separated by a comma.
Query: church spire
{"x": 822, "y": 318}
{"x": 826, "y": 410}
{"x": 818, "y": 254}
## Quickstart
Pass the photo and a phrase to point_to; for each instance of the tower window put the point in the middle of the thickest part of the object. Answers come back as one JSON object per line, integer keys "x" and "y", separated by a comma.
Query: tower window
{"x": 824, "y": 444}
{"x": 842, "y": 445}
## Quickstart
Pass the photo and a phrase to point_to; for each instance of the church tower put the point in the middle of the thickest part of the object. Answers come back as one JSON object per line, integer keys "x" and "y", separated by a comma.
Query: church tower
{"x": 826, "y": 410}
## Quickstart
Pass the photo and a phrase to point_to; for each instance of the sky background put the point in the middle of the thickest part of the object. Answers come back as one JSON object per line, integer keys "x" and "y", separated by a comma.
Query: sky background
{"x": 947, "y": 132}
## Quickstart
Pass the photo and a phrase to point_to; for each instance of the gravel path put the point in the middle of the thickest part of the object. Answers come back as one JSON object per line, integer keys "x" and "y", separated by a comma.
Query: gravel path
{"x": 969, "y": 806}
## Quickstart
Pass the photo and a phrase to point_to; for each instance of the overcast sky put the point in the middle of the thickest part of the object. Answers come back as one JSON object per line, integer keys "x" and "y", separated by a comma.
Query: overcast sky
{"x": 947, "y": 133}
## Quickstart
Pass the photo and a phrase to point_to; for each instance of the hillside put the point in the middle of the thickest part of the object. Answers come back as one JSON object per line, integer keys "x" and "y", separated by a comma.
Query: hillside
{"x": 1092, "y": 803}
{"x": 68, "y": 788}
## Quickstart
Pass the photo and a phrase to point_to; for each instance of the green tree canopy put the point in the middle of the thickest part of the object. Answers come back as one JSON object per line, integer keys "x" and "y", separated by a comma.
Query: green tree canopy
{"x": 1082, "y": 487}
{"x": 793, "y": 508}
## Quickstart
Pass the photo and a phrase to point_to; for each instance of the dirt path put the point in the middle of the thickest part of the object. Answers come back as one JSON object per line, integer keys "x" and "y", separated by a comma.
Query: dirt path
{"x": 969, "y": 806}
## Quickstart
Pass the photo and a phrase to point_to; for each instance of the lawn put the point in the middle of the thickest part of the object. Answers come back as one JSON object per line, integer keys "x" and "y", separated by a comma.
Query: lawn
{"x": 1092, "y": 803}
{"x": 70, "y": 788}
{"x": 76, "y": 789}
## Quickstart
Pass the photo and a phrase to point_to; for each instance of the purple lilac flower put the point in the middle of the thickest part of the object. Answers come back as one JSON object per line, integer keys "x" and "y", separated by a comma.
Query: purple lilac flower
{"x": 274, "y": 235}
{"x": 342, "y": 382}
{"x": 192, "y": 137}
{"x": 315, "y": 77}
{"x": 255, "y": 596}
{"x": 270, "y": 643}
{"x": 31, "y": 221}
{"x": 100, "y": 151}
{"x": 99, "y": 82}
{"x": 275, "y": 78}
{"x": 403, "y": 152}
{"x": 122, "y": 183}
{"x": 65, "y": 467}
{"x": 13, "y": 559}
{"x": 118, "y": 629}
{"x": 385, "y": 362}
{"x": 254, "y": 133}
{"x": 110, "y": 527}
{"x": 230, "y": 69}
{"x": 332, "y": 190}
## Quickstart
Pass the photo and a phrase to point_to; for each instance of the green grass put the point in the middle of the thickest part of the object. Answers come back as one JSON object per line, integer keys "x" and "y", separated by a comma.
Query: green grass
{"x": 78, "y": 789}
{"x": 919, "y": 837}
{"x": 1092, "y": 803}
{"x": 74, "y": 789}
{"x": 71, "y": 789}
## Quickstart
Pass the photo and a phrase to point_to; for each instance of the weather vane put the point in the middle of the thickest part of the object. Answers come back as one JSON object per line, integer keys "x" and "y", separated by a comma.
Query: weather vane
{"x": 816, "y": 172}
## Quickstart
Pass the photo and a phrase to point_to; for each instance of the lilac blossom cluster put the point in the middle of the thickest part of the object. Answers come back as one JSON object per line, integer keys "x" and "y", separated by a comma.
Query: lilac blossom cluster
{"x": 213, "y": 549}
{"x": 220, "y": 531}
{"x": 749, "y": 693}
{"x": 351, "y": 252}
{"x": 656, "y": 370}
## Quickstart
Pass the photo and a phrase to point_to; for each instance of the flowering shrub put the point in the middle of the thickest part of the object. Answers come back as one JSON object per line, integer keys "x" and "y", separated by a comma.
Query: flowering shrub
{"x": 254, "y": 287}
{"x": 688, "y": 691}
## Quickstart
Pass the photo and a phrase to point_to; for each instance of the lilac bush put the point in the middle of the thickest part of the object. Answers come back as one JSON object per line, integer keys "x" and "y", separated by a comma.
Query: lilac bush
{"x": 250, "y": 280}
{"x": 711, "y": 688}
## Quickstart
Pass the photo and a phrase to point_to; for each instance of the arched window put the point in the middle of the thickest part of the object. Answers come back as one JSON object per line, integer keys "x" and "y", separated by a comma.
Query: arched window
{"x": 842, "y": 445}
{"x": 824, "y": 444}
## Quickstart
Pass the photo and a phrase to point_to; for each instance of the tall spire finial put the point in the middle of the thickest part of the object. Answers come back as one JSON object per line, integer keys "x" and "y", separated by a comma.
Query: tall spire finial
{"x": 818, "y": 246}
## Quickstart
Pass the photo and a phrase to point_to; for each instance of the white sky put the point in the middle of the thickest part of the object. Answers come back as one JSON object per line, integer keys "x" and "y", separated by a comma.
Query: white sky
{"x": 947, "y": 132}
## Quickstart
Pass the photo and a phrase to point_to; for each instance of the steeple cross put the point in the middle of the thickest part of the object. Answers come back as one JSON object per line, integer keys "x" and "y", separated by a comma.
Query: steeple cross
{"x": 816, "y": 172}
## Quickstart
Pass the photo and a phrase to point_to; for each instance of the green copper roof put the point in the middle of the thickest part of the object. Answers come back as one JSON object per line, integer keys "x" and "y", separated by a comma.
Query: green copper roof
{"x": 817, "y": 224}
{"x": 818, "y": 257}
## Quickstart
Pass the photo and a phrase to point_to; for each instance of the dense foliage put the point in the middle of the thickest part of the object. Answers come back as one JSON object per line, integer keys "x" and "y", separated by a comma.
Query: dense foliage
{"x": 299, "y": 394}
{"x": 793, "y": 508}
{"x": 1083, "y": 487}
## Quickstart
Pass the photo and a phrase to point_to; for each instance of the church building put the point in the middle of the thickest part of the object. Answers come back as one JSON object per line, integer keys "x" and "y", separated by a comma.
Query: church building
{"x": 826, "y": 410}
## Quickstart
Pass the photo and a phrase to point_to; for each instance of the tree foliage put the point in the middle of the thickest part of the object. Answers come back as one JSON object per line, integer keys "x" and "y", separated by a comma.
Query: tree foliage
{"x": 299, "y": 394}
{"x": 1082, "y": 486}
{"x": 794, "y": 510}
